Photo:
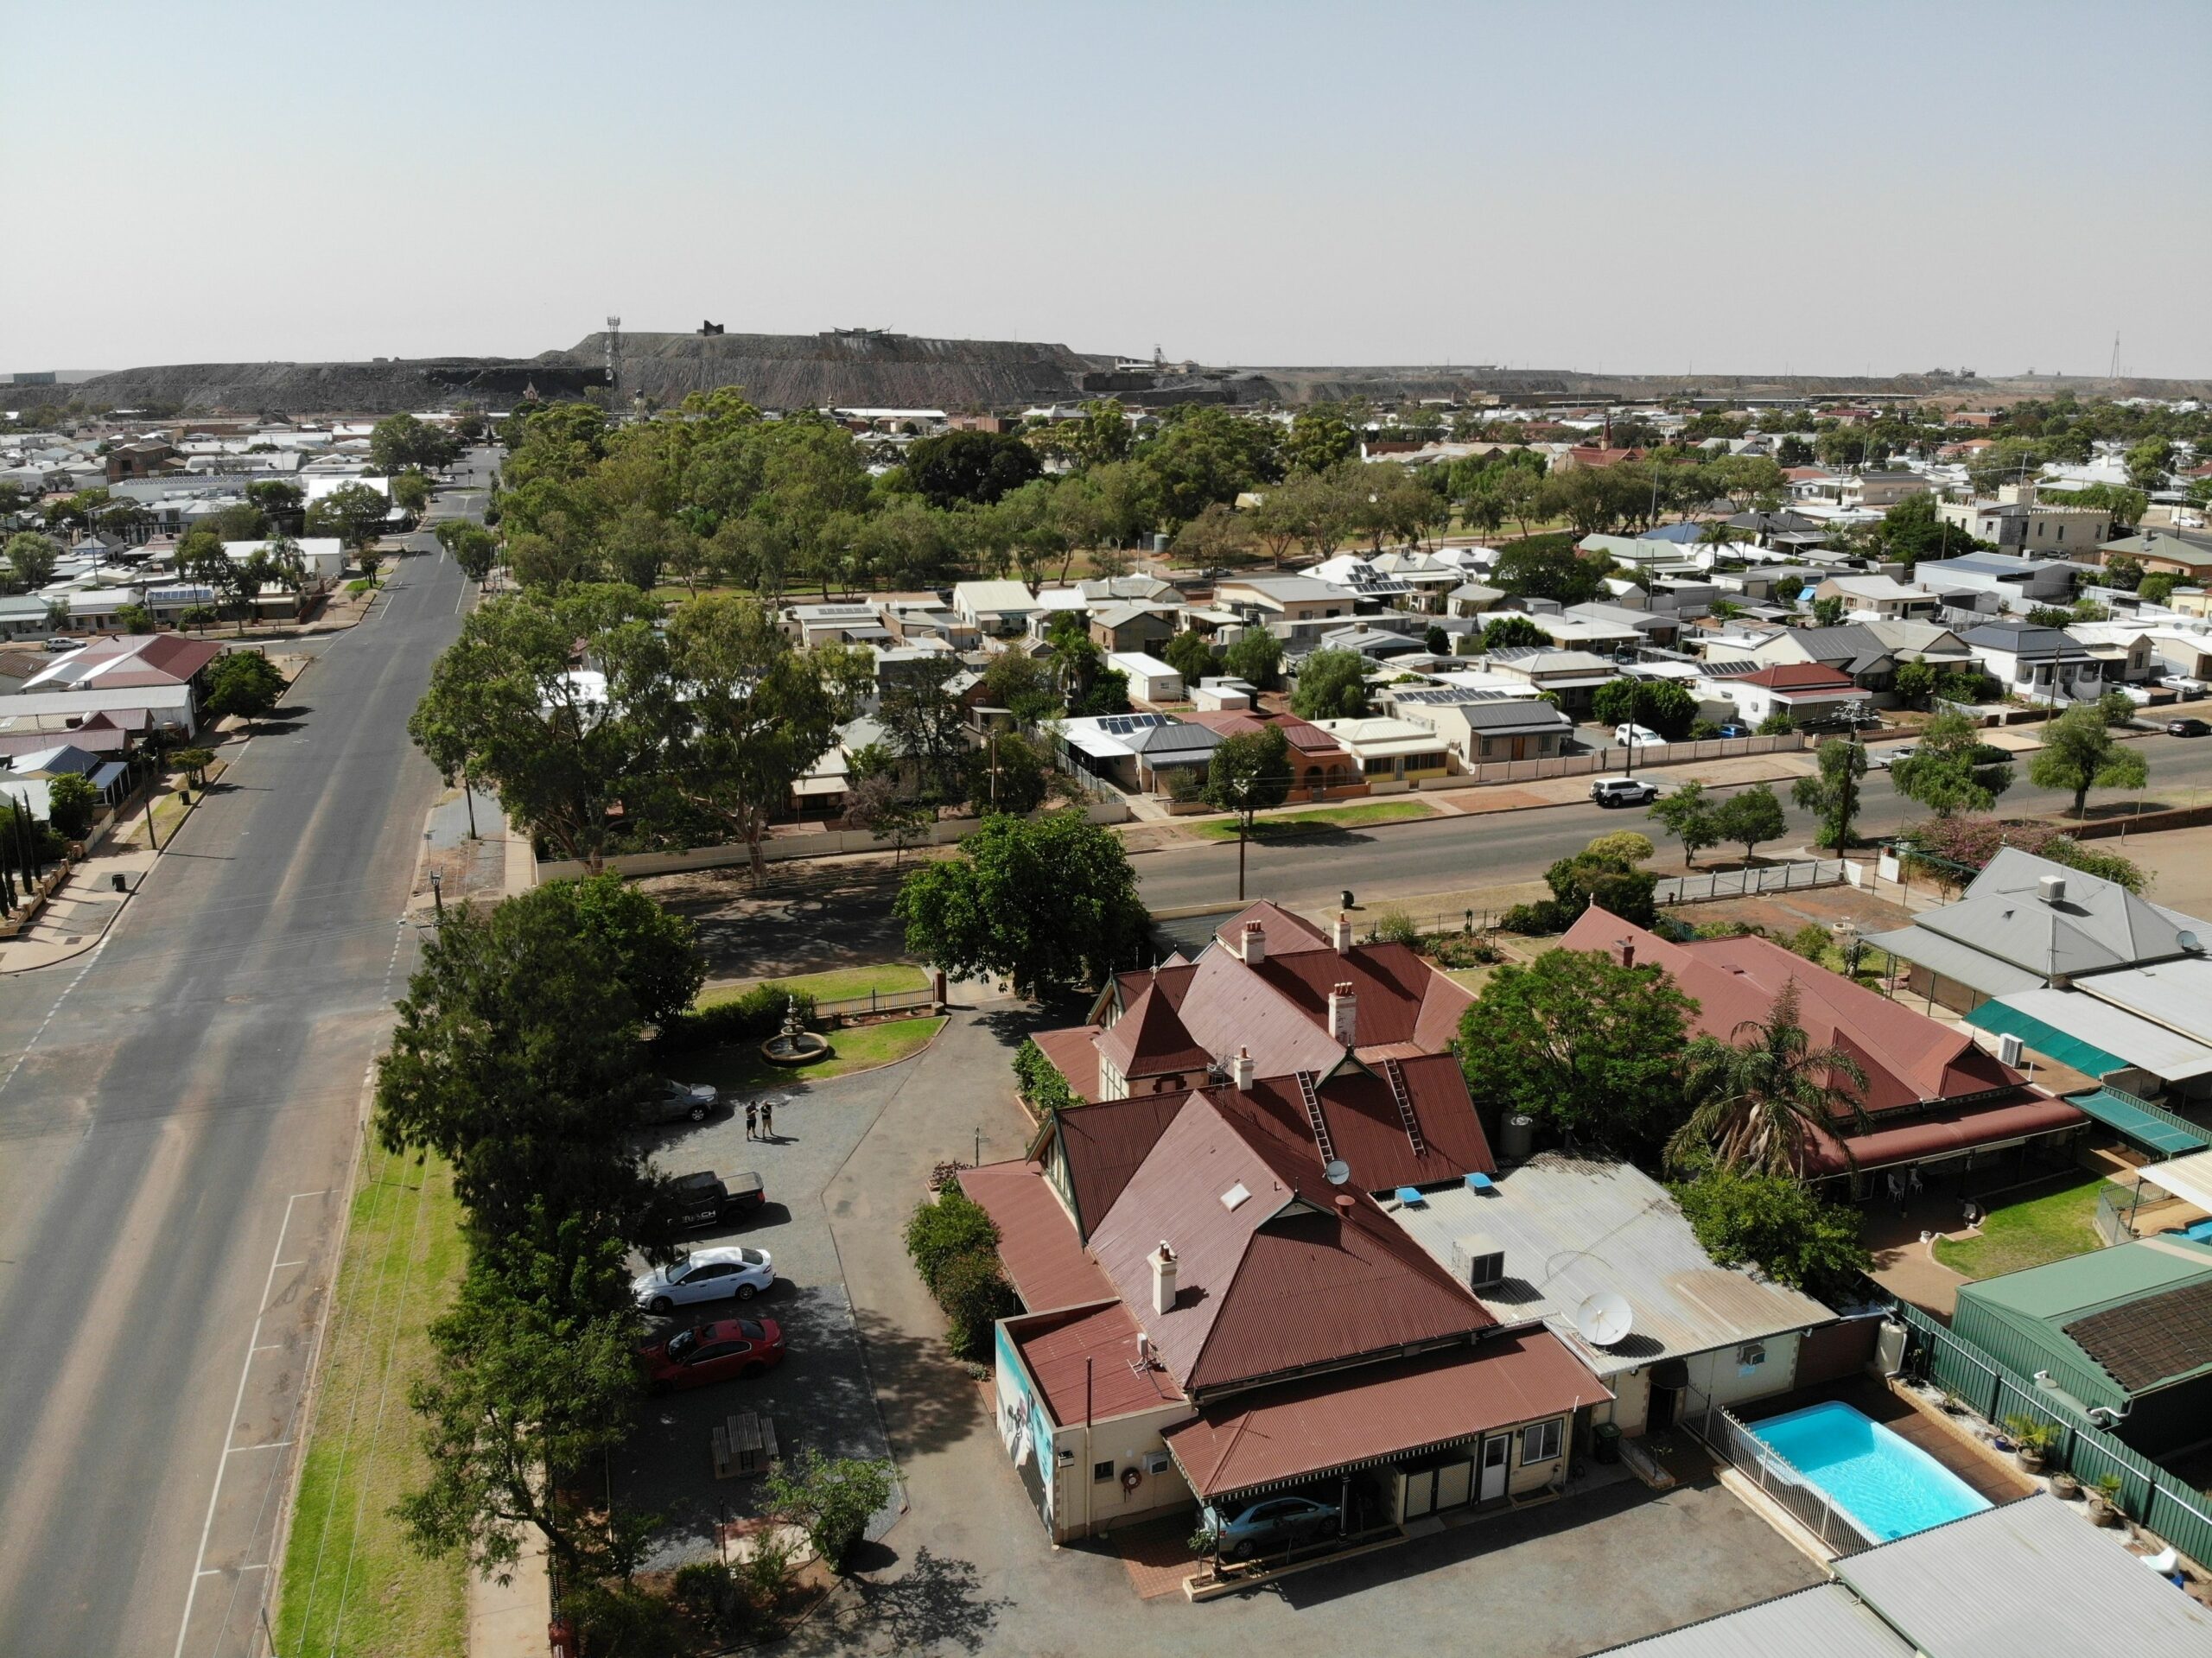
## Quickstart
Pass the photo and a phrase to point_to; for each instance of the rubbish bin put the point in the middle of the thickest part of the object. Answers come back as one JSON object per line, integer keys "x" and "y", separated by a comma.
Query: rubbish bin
{"x": 1606, "y": 1442}
{"x": 1346, "y": 897}
{"x": 121, "y": 885}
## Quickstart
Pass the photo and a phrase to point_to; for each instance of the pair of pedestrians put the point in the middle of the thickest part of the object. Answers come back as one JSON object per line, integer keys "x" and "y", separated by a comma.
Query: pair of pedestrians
{"x": 760, "y": 1119}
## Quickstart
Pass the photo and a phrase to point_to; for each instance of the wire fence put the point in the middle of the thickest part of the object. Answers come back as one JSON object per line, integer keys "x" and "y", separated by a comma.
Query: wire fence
{"x": 2159, "y": 1500}
{"x": 1775, "y": 1475}
{"x": 1743, "y": 883}
{"x": 876, "y": 1002}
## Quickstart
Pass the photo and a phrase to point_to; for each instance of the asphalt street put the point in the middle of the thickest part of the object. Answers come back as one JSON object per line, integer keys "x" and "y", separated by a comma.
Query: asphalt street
{"x": 1452, "y": 854}
{"x": 178, "y": 1114}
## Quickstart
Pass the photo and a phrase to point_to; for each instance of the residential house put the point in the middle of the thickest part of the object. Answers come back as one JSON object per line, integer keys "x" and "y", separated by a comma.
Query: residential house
{"x": 129, "y": 659}
{"x": 1849, "y": 649}
{"x": 2180, "y": 651}
{"x": 1278, "y": 599}
{"x": 1628, "y": 624}
{"x": 1879, "y": 597}
{"x": 2042, "y": 664}
{"x": 1857, "y": 492}
{"x": 1935, "y": 1100}
{"x": 2017, "y": 523}
{"x": 2125, "y": 649}
{"x": 1571, "y": 677}
{"x": 2081, "y": 969}
{"x": 1386, "y": 750}
{"x": 2013, "y": 583}
{"x": 1318, "y": 765}
{"x": 1473, "y": 598}
{"x": 1141, "y": 753}
{"x": 1132, "y": 629}
{"x": 23, "y": 616}
{"x": 999, "y": 609}
{"x": 1810, "y": 693}
{"x": 1546, "y": 1235}
{"x": 813, "y": 625}
{"x": 171, "y": 710}
{"x": 1486, "y": 727}
{"x": 2170, "y": 551}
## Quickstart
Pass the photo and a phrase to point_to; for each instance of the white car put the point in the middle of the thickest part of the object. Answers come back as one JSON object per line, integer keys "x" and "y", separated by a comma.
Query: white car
{"x": 1637, "y": 737}
{"x": 1888, "y": 757}
{"x": 2190, "y": 688}
{"x": 1622, "y": 792}
{"x": 704, "y": 1275}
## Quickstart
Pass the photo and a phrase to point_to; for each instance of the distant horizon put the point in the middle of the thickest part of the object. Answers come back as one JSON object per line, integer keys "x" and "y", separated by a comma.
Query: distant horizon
{"x": 1804, "y": 190}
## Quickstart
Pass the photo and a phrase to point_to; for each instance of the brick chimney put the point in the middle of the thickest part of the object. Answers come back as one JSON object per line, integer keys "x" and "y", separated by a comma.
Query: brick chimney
{"x": 1343, "y": 1014}
{"x": 1628, "y": 952}
{"x": 1164, "y": 1268}
{"x": 1240, "y": 1069}
{"x": 1344, "y": 932}
{"x": 1256, "y": 943}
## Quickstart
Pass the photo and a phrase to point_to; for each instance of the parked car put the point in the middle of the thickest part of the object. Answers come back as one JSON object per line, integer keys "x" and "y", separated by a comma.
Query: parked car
{"x": 674, "y": 1101}
{"x": 2139, "y": 694}
{"x": 2187, "y": 729}
{"x": 1628, "y": 736}
{"x": 1270, "y": 1522}
{"x": 713, "y": 1352}
{"x": 1622, "y": 792}
{"x": 62, "y": 642}
{"x": 704, "y": 1275}
{"x": 709, "y": 1199}
{"x": 1891, "y": 756}
{"x": 1735, "y": 729}
{"x": 2189, "y": 690}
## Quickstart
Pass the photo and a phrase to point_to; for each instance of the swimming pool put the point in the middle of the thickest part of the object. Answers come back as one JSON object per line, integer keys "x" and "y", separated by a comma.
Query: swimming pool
{"x": 1888, "y": 1484}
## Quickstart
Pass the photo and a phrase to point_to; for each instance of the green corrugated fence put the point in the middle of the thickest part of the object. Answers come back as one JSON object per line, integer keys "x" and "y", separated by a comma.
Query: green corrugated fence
{"x": 2159, "y": 1500}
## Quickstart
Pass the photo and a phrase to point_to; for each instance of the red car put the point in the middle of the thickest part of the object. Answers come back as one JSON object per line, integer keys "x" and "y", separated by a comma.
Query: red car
{"x": 713, "y": 1352}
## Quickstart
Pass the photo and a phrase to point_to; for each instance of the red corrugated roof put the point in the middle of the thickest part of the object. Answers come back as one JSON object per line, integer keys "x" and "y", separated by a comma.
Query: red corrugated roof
{"x": 1037, "y": 1240}
{"x": 1103, "y": 1145}
{"x": 1074, "y": 1054}
{"x": 1367, "y": 1131}
{"x": 1942, "y": 1134}
{"x": 1798, "y": 676}
{"x": 1089, "y": 1358}
{"x": 1295, "y": 1274}
{"x": 1341, "y": 1420}
{"x": 1149, "y": 1040}
{"x": 1390, "y": 982}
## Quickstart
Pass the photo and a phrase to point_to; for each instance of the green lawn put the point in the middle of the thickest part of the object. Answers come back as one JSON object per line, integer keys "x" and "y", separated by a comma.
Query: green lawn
{"x": 1472, "y": 978}
{"x": 2029, "y": 1234}
{"x": 350, "y": 1583}
{"x": 739, "y": 1067}
{"x": 835, "y": 985}
{"x": 1322, "y": 818}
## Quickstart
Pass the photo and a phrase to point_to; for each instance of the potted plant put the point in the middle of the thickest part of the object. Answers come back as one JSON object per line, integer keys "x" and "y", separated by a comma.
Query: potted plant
{"x": 2104, "y": 1501}
{"x": 2064, "y": 1485}
{"x": 2033, "y": 1439}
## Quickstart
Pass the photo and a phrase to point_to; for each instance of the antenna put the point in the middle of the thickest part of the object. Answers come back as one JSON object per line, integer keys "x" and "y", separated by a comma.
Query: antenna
{"x": 614, "y": 353}
{"x": 1337, "y": 1171}
{"x": 2112, "y": 372}
{"x": 1604, "y": 1318}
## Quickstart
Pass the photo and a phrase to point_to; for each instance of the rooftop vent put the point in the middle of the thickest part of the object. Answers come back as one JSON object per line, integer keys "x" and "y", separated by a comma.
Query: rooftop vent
{"x": 2052, "y": 888}
{"x": 1236, "y": 1195}
{"x": 1476, "y": 1262}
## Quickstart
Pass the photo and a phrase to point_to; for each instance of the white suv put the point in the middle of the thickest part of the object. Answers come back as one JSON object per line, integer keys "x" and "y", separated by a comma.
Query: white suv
{"x": 1622, "y": 792}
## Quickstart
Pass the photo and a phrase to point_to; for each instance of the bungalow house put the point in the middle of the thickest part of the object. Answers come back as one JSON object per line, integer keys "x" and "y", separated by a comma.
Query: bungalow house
{"x": 1864, "y": 491}
{"x": 1852, "y": 650}
{"x": 1810, "y": 693}
{"x": 1141, "y": 754}
{"x": 169, "y": 709}
{"x": 129, "y": 659}
{"x": 1387, "y": 750}
{"x": 1879, "y": 596}
{"x": 811, "y": 624}
{"x": 2164, "y": 551}
{"x": 1150, "y": 679}
{"x": 1130, "y": 629}
{"x": 2125, "y": 648}
{"x": 2040, "y": 664}
{"x": 1483, "y": 727}
{"x": 999, "y": 609}
{"x": 2079, "y": 969}
{"x": 1318, "y": 764}
{"x": 1473, "y": 598}
{"x": 1600, "y": 637}
{"x": 1571, "y": 677}
{"x": 1629, "y": 625}
{"x": 1278, "y": 599}
{"x": 2177, "y": 651}
{"x": 1935, "y": 1100}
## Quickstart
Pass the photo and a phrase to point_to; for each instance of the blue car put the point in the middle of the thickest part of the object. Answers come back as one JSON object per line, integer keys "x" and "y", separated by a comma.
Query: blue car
{"x": 1269, "y": 1522}
{"x": 1733, "y": 729}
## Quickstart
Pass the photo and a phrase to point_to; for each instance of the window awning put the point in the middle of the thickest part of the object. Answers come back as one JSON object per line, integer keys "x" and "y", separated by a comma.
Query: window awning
{"x": 2187, "y": 1178}
{"x": 1945, "y": 1133}
{"x": 2155, "y": 1132}
{"x": 2098, "y": 1030}
{"x": 1354, "y": 1419}
{"x": 2005, "y": 1019}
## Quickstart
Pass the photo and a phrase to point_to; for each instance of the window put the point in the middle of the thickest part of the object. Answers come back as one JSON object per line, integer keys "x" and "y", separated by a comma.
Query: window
{"x": 1102, "y": 1470}
{"x": 1539, "y": 1442}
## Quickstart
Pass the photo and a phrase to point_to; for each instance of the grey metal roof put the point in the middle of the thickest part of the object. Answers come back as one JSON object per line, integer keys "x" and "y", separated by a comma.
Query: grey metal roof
{"x": 2021, "y": 638}
{"x": 1514, "y": 714}
{"x": 2030, "y": 1577}
{"x": 1948, "y": 959}
{"x": 1570, "y": 1227}
{"x": 1173, "y": 739}
{"x": 1827, "y": 1621}
{"x": 2098, "y": 925}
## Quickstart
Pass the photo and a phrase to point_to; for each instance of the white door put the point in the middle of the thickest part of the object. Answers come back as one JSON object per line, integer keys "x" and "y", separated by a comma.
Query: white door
{"x": 1451, "y": 1481}
{"x": 1495, "y": 1453}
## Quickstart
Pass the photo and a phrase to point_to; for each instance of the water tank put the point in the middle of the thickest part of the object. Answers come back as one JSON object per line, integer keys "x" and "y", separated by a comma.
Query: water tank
{"x": 1520, "y": 1140}
{"x": 1889, "y": 1348}
{"x": 1158, "y": 544}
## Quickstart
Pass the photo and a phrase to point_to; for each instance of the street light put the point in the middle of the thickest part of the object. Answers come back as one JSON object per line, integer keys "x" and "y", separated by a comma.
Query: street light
{"x": 438, "y": 893}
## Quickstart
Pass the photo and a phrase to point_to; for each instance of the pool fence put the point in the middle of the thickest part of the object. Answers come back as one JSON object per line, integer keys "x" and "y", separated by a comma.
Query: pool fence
{"x": 1777, "y": 1478}
{"x": 2159, "y": 1500}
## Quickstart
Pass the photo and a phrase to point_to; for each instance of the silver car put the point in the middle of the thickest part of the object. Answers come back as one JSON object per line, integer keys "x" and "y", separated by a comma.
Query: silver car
{"x": 705, "y": 1275}
{"x": 674, "y": 1101}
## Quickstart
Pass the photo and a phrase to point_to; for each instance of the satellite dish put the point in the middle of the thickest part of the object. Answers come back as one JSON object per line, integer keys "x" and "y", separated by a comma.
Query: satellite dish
{"x": 1604, "y": 1318}
{"x": 2186, "y": 940}
{"x": 1337, "y": 1171}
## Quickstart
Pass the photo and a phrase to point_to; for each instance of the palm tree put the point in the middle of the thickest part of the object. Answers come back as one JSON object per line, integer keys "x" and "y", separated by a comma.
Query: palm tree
{"x": 1766, "y": 1094}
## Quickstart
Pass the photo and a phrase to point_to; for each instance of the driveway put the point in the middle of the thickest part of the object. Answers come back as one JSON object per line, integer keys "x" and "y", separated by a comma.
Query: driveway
{"x": 969, "y": 1567}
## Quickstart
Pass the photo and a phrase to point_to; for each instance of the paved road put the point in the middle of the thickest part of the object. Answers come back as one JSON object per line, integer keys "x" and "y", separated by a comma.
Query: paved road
{"x": 1448, "y": 854}
{"x": 178, "y": 1112}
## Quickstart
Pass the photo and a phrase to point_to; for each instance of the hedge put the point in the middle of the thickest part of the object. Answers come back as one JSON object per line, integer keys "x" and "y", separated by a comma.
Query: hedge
{"x": 753, "y": 1017}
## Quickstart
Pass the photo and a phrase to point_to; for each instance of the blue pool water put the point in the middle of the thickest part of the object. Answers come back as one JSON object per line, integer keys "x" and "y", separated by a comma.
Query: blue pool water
{"x": 1888, "y": 1484}
{"x": 2200, "y": 1233}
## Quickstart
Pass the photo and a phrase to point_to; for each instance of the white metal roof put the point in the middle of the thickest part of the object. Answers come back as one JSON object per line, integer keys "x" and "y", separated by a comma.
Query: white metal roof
{"x": 2032, "y": 1577}
{"x": 1827, "y": 1621}
{"x": 2150, "y": 1047}
{"x": 2176, "y": 994}
{"x": 2188, "y": 1178}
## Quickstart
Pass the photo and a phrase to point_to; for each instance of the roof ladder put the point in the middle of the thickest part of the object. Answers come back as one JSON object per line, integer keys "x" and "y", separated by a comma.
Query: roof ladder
{"x": 1313, "y": 1116}
{"x": 1397, "y": 1078}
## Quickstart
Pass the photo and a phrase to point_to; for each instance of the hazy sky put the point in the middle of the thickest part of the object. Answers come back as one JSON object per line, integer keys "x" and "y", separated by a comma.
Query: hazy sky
{"x": 1826, "y": 187}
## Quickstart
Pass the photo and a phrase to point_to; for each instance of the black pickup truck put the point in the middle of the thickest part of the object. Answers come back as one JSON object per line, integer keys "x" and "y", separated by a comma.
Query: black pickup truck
{"x": 710, "y": 1199}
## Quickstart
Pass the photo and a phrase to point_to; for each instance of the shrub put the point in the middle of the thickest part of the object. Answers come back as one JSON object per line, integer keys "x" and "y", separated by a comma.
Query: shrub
{"x": 1040, "y": 1082}
{"x": 1396, "y": 927}
{"x": 71, "y": 802}
{"x": 973, "y": 1291}
{"x": 833, "y": 1499}
{"x": 1778, "y": 724}
{"x": 720, "y": 1597}
{"x": 1548, "y": 916}
{"x": 1811, "y": 942}
{"x": 1460, "y": 950}
{"x": 753, "y": 1016}
{"x": 940, "y": 1233}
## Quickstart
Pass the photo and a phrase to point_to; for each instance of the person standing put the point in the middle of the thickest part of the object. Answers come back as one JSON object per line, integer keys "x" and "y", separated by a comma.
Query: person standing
{"x": 768, "y": 1118}
{"x": 751, "y": 1118}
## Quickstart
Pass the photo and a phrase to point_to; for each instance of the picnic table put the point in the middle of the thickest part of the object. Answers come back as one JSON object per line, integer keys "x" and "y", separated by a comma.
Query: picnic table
{"x": 745, "y": 1444}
